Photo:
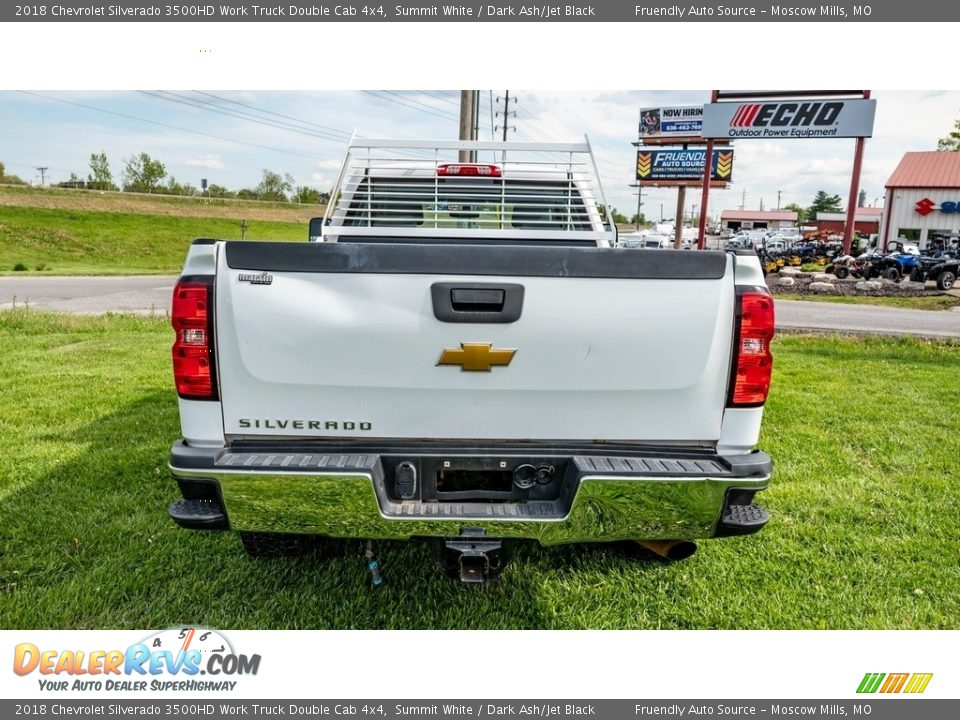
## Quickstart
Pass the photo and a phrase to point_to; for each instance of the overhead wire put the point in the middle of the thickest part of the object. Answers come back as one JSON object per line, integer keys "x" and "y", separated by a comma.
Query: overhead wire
{"x": 167, "y": 125}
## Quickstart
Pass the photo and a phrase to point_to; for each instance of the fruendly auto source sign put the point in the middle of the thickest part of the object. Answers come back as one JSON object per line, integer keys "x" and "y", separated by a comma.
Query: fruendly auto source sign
{"x": 665, "y": 167}
{"x": 790, "y": 119}
{"x": 671, "y": 122}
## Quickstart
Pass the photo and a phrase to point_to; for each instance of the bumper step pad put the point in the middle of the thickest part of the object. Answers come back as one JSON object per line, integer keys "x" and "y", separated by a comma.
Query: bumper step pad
{"x": 742, "y": 520}
{"x": 198, "y": 515}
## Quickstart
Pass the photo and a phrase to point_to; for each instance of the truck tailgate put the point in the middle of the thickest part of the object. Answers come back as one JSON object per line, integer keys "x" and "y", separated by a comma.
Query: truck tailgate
{"x": 344, "y": 342}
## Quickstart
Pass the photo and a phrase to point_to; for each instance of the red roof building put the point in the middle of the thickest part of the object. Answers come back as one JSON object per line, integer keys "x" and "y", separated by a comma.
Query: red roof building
{"x": 746, "y": 219}
{"x": 923, "y": 198}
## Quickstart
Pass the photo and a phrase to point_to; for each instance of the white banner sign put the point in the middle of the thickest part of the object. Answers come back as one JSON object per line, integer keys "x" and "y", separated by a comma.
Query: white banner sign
{"x": 671, "y": 122}
{"x": 790, "y": 119}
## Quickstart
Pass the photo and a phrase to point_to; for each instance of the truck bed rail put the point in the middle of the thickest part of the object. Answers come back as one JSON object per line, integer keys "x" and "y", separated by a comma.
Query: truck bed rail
{"x": 466, "y": 190}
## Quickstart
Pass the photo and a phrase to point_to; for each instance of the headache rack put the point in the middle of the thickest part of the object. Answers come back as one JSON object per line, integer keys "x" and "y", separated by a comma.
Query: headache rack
{"x": 466, "y": 190}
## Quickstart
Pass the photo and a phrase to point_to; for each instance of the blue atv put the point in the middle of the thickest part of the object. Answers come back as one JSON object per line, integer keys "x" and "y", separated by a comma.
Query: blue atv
{"x": 897, "y": 266}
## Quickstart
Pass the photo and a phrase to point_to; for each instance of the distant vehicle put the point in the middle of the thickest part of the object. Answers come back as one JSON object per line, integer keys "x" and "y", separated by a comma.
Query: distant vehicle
{"x": 656, "y": 242}
{"x": 634, "y": 239}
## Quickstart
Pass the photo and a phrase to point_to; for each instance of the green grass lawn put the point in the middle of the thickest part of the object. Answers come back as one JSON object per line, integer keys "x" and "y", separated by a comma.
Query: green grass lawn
{"x": 864, "y": 530}
{"x": 923, "y": 302}
{"x": 84, "y": 242}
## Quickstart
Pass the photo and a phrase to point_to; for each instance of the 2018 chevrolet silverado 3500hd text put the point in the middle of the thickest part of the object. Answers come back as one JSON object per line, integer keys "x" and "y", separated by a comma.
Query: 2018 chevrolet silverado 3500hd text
{"x": 466, "y": 356}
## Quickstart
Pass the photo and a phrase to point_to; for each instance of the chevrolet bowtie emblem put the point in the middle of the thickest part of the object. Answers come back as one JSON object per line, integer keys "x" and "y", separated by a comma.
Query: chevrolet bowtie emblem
{"x": 476, "y": 357}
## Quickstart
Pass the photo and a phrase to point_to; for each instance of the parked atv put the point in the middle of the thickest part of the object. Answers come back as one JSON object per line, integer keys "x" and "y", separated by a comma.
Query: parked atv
{"x": 845, "y": 266}
{"x": 897, "y": 266}
{"x": 943, "y": 271}
{"x": 870, "y": 265}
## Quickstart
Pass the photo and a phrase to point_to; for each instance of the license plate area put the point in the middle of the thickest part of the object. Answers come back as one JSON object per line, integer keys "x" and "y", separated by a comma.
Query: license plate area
{"x": 481, "y": 479}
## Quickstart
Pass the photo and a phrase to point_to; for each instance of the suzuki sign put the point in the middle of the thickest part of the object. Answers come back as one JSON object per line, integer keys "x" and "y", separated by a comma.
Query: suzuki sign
{"x": 791, "y": 119}
{"x": 926, "y": 206}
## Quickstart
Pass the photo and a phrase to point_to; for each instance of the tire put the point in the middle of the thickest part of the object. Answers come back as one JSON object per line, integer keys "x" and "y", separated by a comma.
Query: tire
{"x": 916, "y": 276}
{"x": 892, "y": 274}
{"x": 946, "y": 279}
{"x": 274, "y": 545}
{"x": 841, "y": 272}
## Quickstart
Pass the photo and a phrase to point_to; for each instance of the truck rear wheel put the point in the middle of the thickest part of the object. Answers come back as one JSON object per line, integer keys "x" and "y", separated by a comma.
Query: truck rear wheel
{"x": 272, "y": 545}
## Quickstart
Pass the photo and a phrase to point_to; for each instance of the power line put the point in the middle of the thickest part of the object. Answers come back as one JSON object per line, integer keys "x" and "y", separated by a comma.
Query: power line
{"x": 168, "y": 125}
{"x": 271, "y": 112}
{"x": 424, "y": 109}
{"x": 208, "y": 107}
{"x": 441, "y": 98}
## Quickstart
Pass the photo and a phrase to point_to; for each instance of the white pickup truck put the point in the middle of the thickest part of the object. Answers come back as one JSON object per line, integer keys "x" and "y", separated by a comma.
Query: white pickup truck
{"x": 466, "y": 356}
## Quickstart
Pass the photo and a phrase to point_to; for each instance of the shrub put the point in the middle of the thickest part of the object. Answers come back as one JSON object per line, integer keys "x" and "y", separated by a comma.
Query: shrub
{"x": 20, "y": 267}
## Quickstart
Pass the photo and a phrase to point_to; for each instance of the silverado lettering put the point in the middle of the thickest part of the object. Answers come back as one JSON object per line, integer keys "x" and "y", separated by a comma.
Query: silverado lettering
{"x": 247, "y": 423}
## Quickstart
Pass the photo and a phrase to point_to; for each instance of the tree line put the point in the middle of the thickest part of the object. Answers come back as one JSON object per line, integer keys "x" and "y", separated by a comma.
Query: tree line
{"x": 145, "y": 174}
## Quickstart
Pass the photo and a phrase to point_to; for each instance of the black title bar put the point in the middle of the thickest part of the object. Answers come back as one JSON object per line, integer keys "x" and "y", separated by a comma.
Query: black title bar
{"x": 493, "y": 11}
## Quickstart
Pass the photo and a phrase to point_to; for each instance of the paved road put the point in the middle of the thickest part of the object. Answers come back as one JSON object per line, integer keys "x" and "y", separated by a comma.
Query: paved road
{"x": 152, "y": 295}
{"x": 90, "y": 295}
{"x": 803, "y": 315}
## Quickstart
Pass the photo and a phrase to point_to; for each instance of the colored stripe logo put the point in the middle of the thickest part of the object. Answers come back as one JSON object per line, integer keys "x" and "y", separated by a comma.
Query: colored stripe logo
{"x": 745, "y": 115}
{"x": 644, "y": 164}
{"x": 894, "y": 683}
{"x": 724, "y": 164}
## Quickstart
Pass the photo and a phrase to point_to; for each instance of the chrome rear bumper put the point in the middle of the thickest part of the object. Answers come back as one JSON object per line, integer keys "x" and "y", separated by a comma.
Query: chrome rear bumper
{"x": 605, "y": 498}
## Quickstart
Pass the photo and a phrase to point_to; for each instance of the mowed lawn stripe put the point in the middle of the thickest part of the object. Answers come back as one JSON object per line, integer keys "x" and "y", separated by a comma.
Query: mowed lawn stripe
{"x": 84, "y": 242}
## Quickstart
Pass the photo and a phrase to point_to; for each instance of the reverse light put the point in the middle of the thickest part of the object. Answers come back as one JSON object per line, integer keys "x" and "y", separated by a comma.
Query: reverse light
{"x": 753, "y": 361}
{"x": 192, "y": 320}
{"x": 470, "y": 169}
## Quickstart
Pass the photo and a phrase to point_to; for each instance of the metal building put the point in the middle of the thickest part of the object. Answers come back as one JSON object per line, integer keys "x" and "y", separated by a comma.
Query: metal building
{"x": 923, "y": 198}
{"x": 757, "y": 219}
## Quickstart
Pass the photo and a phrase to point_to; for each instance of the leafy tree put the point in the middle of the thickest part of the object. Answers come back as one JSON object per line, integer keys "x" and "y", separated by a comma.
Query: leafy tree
{"x": 214, "y": 190}
{"x": 951, "y": 143}
{"x": 794, "y": 207}
{"x": 308, "y": 195}
{"x": 9, "y": 179}
{"x": 618, "y": 217}
{"x": 640, "y": 219}
{"x": 823, "y": 203}
{"x": 274, "y": 186}
{"x": 142, "y": 173}
{"x": 100, "y": 177}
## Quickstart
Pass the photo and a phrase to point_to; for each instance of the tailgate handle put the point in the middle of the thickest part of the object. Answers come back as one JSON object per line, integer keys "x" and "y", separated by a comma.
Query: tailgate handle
{"x": 477, "y": 302}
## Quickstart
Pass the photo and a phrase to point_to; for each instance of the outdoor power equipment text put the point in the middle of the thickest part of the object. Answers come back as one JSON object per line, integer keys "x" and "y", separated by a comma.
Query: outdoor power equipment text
{"x": 139, "y": 666}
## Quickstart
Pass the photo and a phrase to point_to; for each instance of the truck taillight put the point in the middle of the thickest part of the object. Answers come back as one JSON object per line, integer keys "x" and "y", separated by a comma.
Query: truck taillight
{"x": 471, "y": 169}
{"x": 192, "y": 319}
{"x": 752, "y": 361}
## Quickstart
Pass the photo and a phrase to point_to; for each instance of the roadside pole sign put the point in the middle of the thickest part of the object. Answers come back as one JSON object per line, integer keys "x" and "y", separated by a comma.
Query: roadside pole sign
{"x": 670, "y": 123}
{"x": 675, "y": 167}
{"x": 790, "y": 119}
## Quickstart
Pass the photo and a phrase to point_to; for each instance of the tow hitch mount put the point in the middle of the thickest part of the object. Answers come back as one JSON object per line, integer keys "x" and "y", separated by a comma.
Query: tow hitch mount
{"x": 472, "y": 557}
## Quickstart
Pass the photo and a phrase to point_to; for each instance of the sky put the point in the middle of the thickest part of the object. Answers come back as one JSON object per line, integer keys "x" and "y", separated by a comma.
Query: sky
{"x": 230, "y": 137}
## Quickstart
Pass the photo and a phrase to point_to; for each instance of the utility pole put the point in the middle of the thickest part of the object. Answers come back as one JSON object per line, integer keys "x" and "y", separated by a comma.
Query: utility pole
{"x": 468, "y": 115}
{"x": 761, "y": 204}
{"x": 43, "y": 174}
{"x": 678, "y": 224}
{"x": 743, "y": 199}
{"x": 507, "y": 112}
{"x": 639, "y": 188}
{"x": 778, "y": 198}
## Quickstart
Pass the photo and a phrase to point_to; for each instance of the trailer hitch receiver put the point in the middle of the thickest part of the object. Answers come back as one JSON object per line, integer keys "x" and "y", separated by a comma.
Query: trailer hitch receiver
{"x": 472, "y": 557}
